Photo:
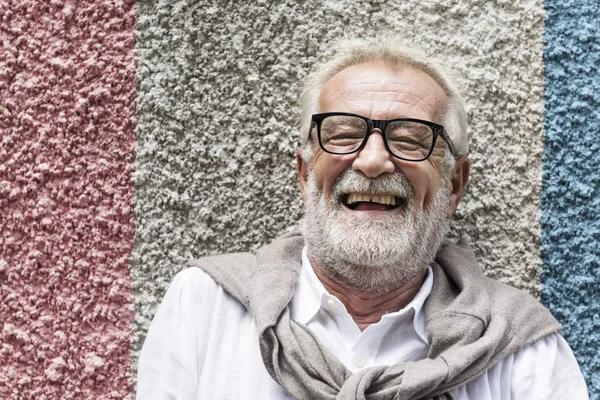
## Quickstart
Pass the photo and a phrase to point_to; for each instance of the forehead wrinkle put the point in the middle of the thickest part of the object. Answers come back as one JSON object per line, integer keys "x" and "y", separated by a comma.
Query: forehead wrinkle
{"x": 392, "y": 88}
{"x": 434, "y": 92}
{"x": 430, "y": 107}
{"x": 369, "y": 105}
{"x": 343, "y": 95}
{"x": 388, "y": 108}
{"x": 390, "y": 96}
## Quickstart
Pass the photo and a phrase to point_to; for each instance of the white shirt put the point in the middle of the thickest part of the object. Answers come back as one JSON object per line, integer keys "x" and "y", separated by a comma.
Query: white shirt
{"x": 203, "y": 344}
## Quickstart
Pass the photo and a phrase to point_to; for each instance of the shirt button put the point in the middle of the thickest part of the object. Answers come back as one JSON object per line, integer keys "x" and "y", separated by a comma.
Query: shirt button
{"x": 331, "y": 303}
{"x": 360, "y": 361}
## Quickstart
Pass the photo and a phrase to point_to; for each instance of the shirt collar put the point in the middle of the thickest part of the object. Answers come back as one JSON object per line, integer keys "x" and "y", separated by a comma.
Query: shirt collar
{"x": 309, "y": 294}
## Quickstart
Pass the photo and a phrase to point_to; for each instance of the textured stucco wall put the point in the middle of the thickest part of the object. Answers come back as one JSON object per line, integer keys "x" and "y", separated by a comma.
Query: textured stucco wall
{"x": 571, "y": 182}
{"x": 67, "y": 85}
{"x": 217, "y": 123}
{"x": 216, "y": 130}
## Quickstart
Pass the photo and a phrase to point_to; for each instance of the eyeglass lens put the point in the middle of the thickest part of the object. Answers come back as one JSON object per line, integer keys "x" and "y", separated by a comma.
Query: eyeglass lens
{"x": 410, "y": 140}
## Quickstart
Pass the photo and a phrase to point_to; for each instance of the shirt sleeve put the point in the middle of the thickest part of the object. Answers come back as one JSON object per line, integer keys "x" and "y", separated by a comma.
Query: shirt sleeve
{"x": 548, "y": 370}
{"x": 168, "y": 364}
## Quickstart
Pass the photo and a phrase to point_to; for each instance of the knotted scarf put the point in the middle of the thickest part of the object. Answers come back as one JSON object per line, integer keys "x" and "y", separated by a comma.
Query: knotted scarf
{"x": 472, "y": 323}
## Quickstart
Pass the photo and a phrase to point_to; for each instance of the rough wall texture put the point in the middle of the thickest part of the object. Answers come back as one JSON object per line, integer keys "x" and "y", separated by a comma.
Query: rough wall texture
{"x": 216, "y": 133}
{"x": 217, "y": 123}
{"x": 571, "y": 183}
{"x": 67, "y": 84}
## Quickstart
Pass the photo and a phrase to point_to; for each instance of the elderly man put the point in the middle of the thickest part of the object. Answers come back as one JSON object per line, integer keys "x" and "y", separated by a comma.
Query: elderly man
{"x": 366, "y": 303}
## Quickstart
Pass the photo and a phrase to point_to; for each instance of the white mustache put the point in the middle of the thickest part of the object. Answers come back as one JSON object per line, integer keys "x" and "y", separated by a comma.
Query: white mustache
{"x": 353, "y": 182}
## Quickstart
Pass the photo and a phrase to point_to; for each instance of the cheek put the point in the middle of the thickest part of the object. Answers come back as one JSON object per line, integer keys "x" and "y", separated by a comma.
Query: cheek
{"x": 327, "y": 168}
{"x": 425, "y": 181}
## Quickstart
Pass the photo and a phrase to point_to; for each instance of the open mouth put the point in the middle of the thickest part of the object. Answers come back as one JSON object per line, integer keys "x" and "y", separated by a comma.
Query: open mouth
{"x": 367, "y": 202}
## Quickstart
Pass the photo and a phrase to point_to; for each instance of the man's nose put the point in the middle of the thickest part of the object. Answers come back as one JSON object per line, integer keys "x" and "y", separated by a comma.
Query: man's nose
{"x": 374, "y": 159}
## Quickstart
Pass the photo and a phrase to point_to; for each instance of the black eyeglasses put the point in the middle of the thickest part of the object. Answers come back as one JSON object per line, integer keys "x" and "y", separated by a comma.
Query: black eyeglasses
{"x": 405, "y": 138}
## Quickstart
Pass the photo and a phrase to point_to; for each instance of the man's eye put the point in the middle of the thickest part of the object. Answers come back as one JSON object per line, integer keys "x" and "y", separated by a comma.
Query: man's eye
{"x": 405, "y": 143}
{"x": 343, "y": 133}
{"x": 347, "y": 135}
{"x": 344, "y": 140}
{"x": 346, "y": 130}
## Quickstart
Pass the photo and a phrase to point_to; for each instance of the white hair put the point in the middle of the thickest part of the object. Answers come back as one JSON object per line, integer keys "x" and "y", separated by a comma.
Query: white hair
{"x": 389, "y": 49}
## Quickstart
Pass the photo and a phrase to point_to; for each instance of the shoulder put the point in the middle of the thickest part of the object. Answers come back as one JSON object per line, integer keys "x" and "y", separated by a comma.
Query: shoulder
{"x": 192, "y": 278}
{"x": 546, "y": 369}
{"x": 523, "y": 311}
{"x": 222, "y": 266}
{"x": 488, "y": 299}
{"x": 543, "y": 370}
{"x": 231, "y": 271}
{"x": 512, "y": 297}
{"x": 197, "y": 297}
{"x": 229, "y": 259}
{"x": 192, "y": 286}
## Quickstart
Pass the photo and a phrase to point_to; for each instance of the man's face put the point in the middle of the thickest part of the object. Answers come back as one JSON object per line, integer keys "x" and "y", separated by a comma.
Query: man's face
{"x": 376, "y": 91}
{"x": 421, "y": 190}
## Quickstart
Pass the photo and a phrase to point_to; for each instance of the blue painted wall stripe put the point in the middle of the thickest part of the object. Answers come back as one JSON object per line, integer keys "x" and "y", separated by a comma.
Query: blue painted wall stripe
{"x": 571, "y": 178}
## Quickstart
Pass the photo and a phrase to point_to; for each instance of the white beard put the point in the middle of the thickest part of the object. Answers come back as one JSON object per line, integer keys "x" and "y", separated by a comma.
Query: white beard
{"x": 373, "y": 254}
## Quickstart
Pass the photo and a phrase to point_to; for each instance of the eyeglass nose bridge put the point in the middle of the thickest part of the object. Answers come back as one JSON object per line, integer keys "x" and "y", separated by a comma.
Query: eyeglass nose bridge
{"x": 373, "y": 124}
{"x": 377, "y": 124}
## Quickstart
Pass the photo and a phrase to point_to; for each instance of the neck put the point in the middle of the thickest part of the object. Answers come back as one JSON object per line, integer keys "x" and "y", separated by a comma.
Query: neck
{"x": 368, "y": 308}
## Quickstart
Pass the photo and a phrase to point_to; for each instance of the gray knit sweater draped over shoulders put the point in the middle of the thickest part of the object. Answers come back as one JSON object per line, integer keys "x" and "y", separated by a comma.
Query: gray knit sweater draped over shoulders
{"x": 472, "y": 323}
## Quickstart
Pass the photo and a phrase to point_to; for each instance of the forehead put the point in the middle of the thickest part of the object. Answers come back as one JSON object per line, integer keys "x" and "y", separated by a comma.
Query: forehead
{"x": 380, "y": 91}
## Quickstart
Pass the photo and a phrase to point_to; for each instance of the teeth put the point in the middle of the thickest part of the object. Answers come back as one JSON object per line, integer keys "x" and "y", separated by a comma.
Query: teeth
{"x": 382, "y": 199}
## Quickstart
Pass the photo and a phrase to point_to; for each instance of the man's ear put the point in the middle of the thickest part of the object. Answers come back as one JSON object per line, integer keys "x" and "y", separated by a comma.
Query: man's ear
{"x": 457, "y": 182}
{"x": 302, "y": 170}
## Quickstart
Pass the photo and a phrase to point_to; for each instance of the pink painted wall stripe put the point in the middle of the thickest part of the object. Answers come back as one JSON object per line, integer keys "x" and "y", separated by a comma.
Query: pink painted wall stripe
{"x": 67, "y": 91}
